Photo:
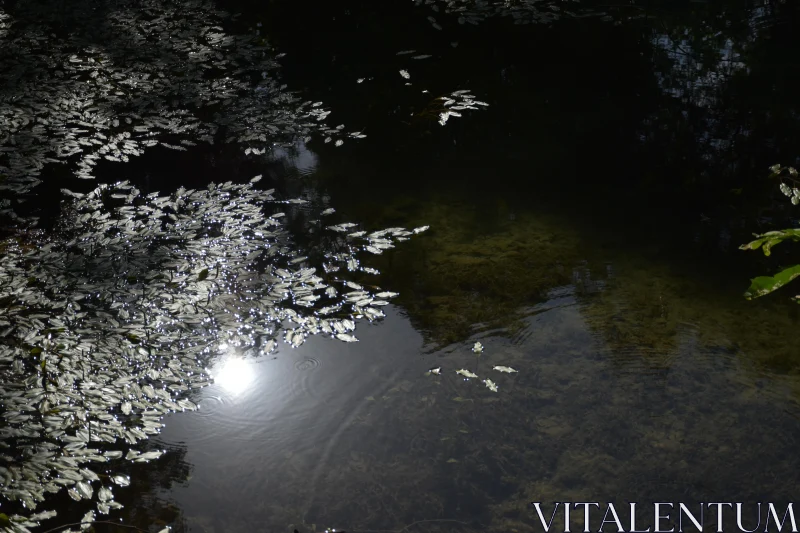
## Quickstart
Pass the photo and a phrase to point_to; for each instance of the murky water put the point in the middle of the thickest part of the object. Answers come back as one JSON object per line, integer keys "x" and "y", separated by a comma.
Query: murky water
{"x": 584, "y": 228}
{"x": 584, "y": 419}
{"x": 627, "y": 391}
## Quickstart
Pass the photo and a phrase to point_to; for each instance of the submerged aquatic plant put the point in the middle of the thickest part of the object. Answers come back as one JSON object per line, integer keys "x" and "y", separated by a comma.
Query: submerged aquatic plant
{"x": 110, "y": 324}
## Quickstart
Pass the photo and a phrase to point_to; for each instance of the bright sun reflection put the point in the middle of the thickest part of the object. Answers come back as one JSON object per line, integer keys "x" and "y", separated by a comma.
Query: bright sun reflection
{"x": 234, "y": 374}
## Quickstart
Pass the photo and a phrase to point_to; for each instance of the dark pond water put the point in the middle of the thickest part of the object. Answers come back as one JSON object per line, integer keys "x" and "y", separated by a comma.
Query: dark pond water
{"x": 585, "y": 217}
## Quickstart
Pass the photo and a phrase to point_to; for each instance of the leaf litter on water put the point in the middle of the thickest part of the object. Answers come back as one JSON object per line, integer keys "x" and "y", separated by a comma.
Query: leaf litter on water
{"x": 135, "y": 272}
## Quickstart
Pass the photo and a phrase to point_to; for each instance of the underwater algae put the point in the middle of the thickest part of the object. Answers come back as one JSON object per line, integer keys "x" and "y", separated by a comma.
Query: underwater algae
{"x": 463, "y": 277}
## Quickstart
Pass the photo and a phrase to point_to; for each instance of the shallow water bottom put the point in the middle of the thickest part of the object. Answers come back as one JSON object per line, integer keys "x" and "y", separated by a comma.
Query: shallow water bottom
{"x": 358, "y": 437}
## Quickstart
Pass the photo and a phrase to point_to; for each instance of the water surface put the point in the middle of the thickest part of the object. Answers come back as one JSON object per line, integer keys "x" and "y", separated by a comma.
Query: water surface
{"x": 584, "y": 228}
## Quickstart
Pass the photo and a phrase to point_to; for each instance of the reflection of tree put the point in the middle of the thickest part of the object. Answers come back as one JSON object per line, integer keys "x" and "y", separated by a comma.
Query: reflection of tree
{"x": 729, "y": 101}
{"x": 670, "y": 109}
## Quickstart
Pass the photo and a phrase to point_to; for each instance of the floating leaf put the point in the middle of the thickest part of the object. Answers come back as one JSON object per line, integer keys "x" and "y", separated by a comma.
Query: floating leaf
{"x": 122, "y": 481}
{"x": 148, "y": 456}
{"x": 84, "y": 489}
{"x": 105, "y": 494}
{"x": 87, "y": 520}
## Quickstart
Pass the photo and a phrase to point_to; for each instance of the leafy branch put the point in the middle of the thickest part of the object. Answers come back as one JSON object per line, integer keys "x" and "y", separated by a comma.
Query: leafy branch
{"x": 763, "y": 285}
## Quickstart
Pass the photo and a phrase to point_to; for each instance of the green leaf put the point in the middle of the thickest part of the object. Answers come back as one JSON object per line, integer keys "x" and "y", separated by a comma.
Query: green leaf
{"x": 753, "y": 245}
{"x": 202, "y": 275}
{"x": 36, "y": 351}
{"x": 770, "y": 239}
{"x": 765, "y": 284}
{"x": 4, "y": 521}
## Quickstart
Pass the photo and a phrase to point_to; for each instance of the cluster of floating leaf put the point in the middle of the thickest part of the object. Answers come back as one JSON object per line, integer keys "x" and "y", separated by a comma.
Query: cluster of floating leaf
{"x": 136, "y": 74}
{"x": 455, "y": 103}
{"x": 443, "y": 107}
{"x": 477, "y": 348}
{"x": 477, "y": 11}
{"x": 110, "y": 325}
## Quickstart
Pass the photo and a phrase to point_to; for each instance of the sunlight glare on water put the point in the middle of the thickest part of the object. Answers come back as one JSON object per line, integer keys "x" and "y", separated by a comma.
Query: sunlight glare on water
{"x": 233, "y": 373}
